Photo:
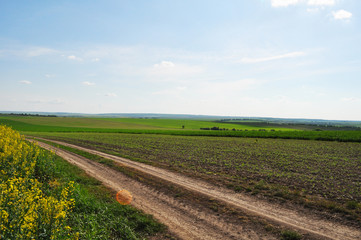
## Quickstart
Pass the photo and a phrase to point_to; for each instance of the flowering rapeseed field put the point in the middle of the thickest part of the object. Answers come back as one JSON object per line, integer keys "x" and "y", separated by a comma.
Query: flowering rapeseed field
{"x": 31, "y": 205}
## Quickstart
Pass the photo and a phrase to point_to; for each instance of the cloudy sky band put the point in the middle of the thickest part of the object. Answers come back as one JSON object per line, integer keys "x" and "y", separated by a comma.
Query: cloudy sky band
{"x": 289, "y": 58}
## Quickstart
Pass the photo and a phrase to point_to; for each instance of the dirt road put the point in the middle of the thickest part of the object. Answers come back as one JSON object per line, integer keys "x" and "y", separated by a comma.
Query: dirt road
{"x": 192, "y": 223}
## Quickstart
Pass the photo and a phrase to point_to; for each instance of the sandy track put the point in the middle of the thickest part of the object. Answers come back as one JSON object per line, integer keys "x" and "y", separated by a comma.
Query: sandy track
{"x": 184, "y": 221}
{"x": 189, "y": 223}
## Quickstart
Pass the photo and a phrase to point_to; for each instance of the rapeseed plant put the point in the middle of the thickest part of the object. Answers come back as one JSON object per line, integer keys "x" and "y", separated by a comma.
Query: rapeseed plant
{"x": 26, "y": 211}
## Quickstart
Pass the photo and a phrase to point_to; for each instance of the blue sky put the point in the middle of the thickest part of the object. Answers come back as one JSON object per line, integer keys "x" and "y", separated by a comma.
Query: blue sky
{"x": 270, "y": 58}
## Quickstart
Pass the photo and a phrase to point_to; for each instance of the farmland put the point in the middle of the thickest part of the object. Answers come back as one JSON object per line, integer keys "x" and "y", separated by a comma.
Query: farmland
{"x": 317, "y": 169}
{"x": 31, "y": 124}
{"x": 330, "y": 170}
{"x": 107, "y": 124}
{"x": 327, "y": 169}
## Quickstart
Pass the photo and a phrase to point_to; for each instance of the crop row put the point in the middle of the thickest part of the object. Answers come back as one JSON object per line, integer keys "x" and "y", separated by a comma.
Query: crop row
{"x": 341, "y": 136}
{"x": 330, "y": 170}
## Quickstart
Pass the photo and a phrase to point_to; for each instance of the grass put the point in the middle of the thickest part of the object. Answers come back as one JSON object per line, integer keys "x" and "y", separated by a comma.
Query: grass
{"x": 97, "y": 215}
{"x": 45, "y": 197}
{"x": 290, "y": 235}
{"x": 120, "y": 123}
{"x": 30, "y": 207}
{"x": 193, "y": 198}
{"x": 188, "y": 124}
{"x": 29, "y": 125}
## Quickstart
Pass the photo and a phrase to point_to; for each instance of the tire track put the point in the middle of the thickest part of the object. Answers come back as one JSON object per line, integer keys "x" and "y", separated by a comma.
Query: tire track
{"x": 185, "y": 221}
{"x": 303, "y": 222}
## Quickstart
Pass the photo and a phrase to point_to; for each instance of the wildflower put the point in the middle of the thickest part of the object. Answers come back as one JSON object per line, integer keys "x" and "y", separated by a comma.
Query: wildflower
{"x": 25, "y": 210}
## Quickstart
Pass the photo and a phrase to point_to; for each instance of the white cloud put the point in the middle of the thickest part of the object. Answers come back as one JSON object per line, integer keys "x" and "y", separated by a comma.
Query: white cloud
{"x": 350, "y": 99}
{"x": 313, "y": 10}
{"x": 284, "y": 3}
{"x": 342, "y": 15}
{"x": 86, "y": 83}
{"x": 49, "y": 101}
{"x": 39, "y": 51}
{"x": 321, "y": 2}
{"x": 111, "y": 95}
{"x": 226, "y": 88}
{"x": 265, "y": 59}
{"x": 73, "y": 57}
{"x": 172, "y": 92}
{"x": 25, "y": 82}
{"x": 95, "y": 59}
{"x": 164, "y": 64}
{"x": 167, "y": 70}
{"x": 50, "y": 75}
{"x": 27, "y": 52}
{"x": 312, "y": 91}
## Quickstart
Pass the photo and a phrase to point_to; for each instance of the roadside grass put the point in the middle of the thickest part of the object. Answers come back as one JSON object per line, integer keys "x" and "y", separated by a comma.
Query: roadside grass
{"x": 30, "y": 205}
{"x": 316, "y": 174}
{"x": 185, "y": 195}
{"x": 45, "y": 197}
{"x": 290, "y": 235}
{"x": 261, "y": 187}
{"x": 97, "y": 215}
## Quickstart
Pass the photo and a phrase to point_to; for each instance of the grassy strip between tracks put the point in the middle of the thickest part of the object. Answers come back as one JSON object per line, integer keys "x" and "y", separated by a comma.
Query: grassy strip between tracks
{"x": 186, "y": 196}
{"x": 261, "y": 185}
{"x": 97, "y": 215}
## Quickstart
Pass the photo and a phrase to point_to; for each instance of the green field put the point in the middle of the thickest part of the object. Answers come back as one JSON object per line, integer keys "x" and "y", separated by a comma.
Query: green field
{"x": 316, "y": 173}
{"x": 282, "y": 164}
{"x": 30, "y": 124}
{"x": 188, "y": 124}
{"x": 328, "y": 169}
{"x": 104, "y": 124}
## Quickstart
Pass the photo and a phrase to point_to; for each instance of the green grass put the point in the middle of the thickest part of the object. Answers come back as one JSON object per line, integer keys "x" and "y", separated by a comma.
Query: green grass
{"x": 290, "y": 235}
{"x": 97, "y": 215}
{"x": 188, "y": 124}
{"x": 341, "y": 136}
{"x": 62, "y": 123}
{"x": 29, "y": 125}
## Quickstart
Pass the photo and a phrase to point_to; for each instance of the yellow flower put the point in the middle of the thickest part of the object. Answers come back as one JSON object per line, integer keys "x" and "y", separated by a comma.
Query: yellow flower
{"x": 24, "y": 208}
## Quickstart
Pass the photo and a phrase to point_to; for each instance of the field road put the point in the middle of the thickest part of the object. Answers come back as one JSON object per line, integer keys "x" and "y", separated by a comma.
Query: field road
{"x": 191, "y": 223}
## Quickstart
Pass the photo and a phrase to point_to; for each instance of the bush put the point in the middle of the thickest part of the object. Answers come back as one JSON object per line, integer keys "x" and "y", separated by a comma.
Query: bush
{"x": 290, "y": 235}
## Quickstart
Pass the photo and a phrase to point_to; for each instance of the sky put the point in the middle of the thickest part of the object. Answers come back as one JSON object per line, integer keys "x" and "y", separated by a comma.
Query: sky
{"x": 250, "y": 58}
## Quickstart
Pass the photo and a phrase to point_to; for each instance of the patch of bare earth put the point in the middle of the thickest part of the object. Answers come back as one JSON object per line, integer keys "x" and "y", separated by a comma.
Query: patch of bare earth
{"x": 192, "y": 221}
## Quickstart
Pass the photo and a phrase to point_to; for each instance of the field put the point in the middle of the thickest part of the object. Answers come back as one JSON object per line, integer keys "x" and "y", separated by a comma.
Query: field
{"x": 327, "y": 169}
{"x": 108, "y": 124}
{"x": 29, "y": 124}
{"x": 318, "y": 169}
